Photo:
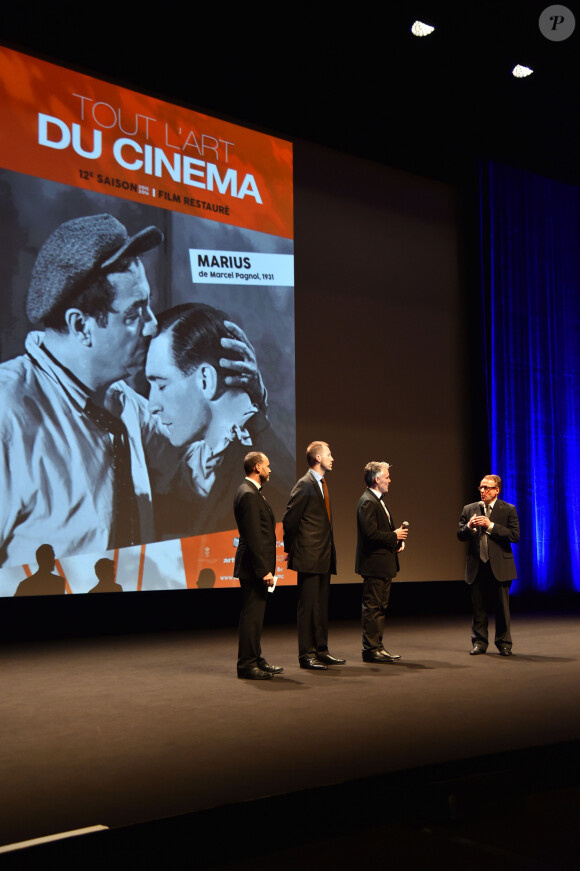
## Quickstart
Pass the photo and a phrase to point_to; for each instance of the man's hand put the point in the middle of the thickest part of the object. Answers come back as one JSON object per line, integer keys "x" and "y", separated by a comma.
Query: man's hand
{"x": 479, "y": 520}
{"x": 244, "y": 372}
{"x": 402, "y": 533}
{"x": 268, "y": 579}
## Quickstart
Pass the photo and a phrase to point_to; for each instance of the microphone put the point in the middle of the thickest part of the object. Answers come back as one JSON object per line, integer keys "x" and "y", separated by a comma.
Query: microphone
{"x": 481, "y": 506}
{"x": 404, "y": 525}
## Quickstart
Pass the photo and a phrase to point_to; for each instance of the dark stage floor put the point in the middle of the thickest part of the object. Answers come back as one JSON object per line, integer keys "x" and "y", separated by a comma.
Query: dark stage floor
{"x": 119, "y": 731}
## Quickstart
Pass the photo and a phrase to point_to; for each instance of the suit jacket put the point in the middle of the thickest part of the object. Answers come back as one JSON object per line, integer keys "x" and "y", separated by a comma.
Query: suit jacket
{"x": 256, "y": 553}
{"x": 308, "y": 538}
{"x": 377, "y": 543}
{"x": 505, "y": 532}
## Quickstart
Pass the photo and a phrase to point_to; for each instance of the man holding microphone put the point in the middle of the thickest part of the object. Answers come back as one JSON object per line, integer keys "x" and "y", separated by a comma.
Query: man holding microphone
{"x": 378, "y": 546}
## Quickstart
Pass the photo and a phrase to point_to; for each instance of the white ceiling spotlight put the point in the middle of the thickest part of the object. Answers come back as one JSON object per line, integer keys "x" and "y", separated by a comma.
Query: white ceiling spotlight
{"x": 520, "y": 72}
{"x": 421, "y": 29}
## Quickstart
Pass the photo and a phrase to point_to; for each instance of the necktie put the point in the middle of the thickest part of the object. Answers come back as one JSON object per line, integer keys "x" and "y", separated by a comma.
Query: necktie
{"x": 204, "y": 459}
{"x": 125, "y": 516}
{"x": 326, "y": 500}
{"x": 483, "y": 544}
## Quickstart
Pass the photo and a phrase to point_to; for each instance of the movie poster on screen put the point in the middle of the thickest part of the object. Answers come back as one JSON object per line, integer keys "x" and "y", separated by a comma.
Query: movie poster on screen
{"x": 73, "y": 147}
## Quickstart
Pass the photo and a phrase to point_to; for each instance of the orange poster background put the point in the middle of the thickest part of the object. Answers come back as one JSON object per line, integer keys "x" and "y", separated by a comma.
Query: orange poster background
{"x": 29, "y": 86}
{"x": 208, "y": 560}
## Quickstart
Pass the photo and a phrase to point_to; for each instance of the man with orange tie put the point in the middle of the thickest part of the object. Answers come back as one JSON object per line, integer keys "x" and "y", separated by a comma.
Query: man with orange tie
{"x": 309, "y": 543}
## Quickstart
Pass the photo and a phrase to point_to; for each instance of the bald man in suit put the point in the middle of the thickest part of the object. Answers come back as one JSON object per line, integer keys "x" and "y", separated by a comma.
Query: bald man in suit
{"x": 254, "y": 565}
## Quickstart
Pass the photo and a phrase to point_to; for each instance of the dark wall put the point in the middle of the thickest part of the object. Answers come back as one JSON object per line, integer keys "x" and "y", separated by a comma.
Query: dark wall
{"x": 381, "y": 354}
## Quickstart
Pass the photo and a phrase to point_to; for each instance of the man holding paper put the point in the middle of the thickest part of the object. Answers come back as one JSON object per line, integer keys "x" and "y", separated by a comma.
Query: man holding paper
{"x": 255, "y": 565}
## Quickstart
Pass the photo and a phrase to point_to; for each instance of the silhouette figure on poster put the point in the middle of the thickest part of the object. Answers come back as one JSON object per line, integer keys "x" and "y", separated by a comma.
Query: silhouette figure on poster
{"x": 105, "y": 572}
{"x": 43, "y": 582}
{"x": 206, "y": 579}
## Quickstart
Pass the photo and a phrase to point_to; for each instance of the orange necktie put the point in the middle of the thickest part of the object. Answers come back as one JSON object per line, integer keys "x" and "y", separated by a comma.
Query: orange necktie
{"x": 326, "y": 500}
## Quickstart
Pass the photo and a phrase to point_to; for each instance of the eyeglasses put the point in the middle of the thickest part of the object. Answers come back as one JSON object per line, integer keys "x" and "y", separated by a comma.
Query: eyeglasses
{"x": 483, "y": 487}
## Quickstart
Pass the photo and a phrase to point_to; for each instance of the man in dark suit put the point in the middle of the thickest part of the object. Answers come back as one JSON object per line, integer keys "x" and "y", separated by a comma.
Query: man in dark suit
{"x": 255, "y": 565}
{"x": 490, "y": 527}
{"x": 309, "y": 543}
{"x": 377, "y": 546}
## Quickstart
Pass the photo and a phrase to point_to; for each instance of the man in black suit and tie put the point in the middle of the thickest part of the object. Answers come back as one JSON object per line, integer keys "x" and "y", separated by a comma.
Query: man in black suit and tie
{"x": 255, "y": 565}
{"x": 378, "y": 543}
{"x": 309, "y": 543}
{"x": 491, "y": 527}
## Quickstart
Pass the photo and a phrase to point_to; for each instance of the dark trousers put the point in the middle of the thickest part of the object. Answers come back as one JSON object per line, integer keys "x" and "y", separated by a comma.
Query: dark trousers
{"x": 254, "y": 593}
{"x": 375, "y": 600}
{"x": 313, "y": 592}
{"x": 486, "y": 589}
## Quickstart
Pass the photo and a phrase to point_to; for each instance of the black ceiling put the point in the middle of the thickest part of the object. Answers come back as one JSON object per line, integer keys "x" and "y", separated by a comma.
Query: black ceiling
{"x": 355, "y": 79}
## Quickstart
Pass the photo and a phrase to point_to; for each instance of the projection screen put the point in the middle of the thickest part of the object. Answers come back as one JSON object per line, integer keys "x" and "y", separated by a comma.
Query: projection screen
{"x": 83, "y": 162}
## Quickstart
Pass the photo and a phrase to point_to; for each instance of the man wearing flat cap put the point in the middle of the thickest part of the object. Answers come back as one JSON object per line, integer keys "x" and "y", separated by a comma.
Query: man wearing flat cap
{"x": 73, "y": 469}
{"x": 80, "y": 449}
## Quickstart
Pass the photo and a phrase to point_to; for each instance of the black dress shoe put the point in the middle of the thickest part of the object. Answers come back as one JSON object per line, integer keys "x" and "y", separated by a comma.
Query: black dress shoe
{"x": 391, "y": 657}
{"x": 505, "y": 651}
{"x": 477, "y": 650}
{"x": 379, "y": 656}
{"x": 271, "y": 669}
{"x": 373, "y": 656}
{"x": 254, "y": 673}
{"x": 313, "y": 663}
{"x": 329, "y": 659}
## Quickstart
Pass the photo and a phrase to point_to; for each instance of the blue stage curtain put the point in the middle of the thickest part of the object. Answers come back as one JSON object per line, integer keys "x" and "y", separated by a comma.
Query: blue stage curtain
{"x": 530, "y": 244}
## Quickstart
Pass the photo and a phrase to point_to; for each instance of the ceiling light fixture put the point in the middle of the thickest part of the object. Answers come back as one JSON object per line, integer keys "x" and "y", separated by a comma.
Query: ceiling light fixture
{"x": 521, "y": 72}
{"x": 421, "y": 29}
